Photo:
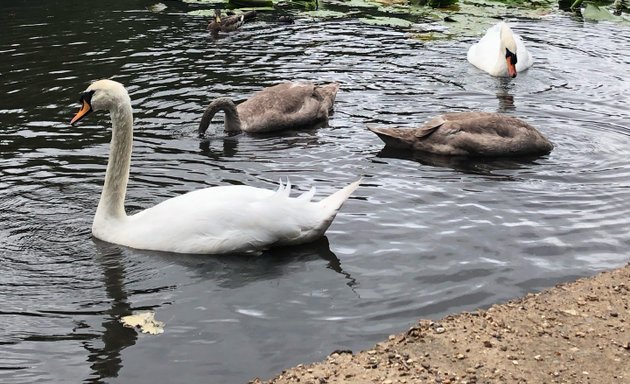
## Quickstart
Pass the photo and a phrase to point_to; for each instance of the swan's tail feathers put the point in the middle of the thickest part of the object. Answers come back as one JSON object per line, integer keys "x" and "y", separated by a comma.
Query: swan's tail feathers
{"x": 284, "y": 189}
{"x": 393, "y": 137}
{"x": 328, "y": 92}
{"x": 307, "y": 196}
{"x": 333, "y": 202}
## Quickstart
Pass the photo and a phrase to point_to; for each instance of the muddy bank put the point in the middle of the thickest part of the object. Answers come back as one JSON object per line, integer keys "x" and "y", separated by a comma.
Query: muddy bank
{"x": 573, "y": 333}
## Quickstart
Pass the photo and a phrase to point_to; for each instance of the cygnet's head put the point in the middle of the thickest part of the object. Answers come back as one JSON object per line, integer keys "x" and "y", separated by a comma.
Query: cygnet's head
{"x": 508, "y": 41}
{"x": 100, "y": 95}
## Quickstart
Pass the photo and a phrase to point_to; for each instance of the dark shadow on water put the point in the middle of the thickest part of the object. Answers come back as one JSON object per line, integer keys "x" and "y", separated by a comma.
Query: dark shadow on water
{"x": 237, "y": 270}
{"x": 221, "y": 144}
{"x": 464, "y": 164}
{"x": 230, "y": 271}
{"x": 506, "y": 100}
{"x": 105, "y": 358}
{"x": 229, "y": 147}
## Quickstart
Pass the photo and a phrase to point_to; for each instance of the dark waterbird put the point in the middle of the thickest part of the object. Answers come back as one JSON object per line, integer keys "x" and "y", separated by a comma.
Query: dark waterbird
{"x": 228, "y": 23}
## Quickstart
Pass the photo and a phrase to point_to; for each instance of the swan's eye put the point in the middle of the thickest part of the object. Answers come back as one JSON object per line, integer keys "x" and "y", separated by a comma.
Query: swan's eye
{"x": 511, "y": 55}
{"x": 86, "y": 96}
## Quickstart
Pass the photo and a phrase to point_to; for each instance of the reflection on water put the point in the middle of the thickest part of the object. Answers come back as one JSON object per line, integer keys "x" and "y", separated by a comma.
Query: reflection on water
{"x": 422, "y": 237}
{"x": 478, "y": 166}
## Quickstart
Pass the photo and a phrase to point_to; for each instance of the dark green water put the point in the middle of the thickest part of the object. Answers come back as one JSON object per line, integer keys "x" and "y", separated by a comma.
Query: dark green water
{"x": 422, "y": 237}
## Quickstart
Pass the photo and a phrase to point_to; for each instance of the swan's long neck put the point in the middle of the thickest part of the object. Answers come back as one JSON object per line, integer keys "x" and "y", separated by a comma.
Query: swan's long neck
{"x": 232, "y": 120}
{"x": 112, "y": 203}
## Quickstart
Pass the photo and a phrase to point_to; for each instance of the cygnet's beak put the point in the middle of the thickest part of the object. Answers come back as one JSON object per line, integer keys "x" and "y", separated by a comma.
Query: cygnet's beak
{"x": 86, "y": 108}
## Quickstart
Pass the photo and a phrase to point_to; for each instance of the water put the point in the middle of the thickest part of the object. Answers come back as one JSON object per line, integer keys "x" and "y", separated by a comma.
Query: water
{"x": 421, "y": 238}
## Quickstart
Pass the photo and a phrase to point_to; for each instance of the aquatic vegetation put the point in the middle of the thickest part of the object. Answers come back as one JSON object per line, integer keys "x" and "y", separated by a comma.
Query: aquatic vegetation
{"x": 429, "y": 19}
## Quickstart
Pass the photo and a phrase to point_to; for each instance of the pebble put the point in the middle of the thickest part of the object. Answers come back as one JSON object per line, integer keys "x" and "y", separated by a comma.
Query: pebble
{"x": 440, "y": 330}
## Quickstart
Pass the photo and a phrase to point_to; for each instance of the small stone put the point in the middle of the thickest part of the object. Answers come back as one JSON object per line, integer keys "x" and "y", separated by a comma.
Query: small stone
{"x": 460, "y": 356}
{"x": 440, "y": 330}
{"x": 571, "y": 312}
{"x": 425, "y": 365}
{"x": 487, "y": 344}
{"x": 371, "y": 352}
{"x": 585, "y": 372}
{"x": 614, "y": 314}
{"x": 388, "y": 381}
{"x": 538, "y": 358}
{"x": 392, "y": 337}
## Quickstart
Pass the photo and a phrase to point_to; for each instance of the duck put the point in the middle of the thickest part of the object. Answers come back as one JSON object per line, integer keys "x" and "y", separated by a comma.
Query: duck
{"x": 287, "y": 105}
{"x": 474, "y": 134}
{"x": 500, "y": 52}
{"x": 229, "y": 23}
{"x": 214, "y": 220}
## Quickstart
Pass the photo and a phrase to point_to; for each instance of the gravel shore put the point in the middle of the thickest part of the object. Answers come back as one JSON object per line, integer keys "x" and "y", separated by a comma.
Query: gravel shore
{"x": 576, "y": 332}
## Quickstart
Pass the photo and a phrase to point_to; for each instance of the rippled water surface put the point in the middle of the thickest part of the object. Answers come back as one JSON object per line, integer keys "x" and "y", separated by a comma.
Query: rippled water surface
{"x": 422, "y": 237}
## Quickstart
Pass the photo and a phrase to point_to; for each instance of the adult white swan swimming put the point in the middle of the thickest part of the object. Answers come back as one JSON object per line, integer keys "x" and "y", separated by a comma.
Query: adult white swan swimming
{"x": 500, "y": 52}
{"x": 213, "y": 220}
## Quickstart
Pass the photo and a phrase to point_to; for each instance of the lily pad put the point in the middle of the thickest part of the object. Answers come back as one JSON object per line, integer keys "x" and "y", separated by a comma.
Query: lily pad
{"x": 202, "y": 12}
{"x": 386, "y": 21}
{"x": 595, "y": 13}
{"x": 323, "y": 14}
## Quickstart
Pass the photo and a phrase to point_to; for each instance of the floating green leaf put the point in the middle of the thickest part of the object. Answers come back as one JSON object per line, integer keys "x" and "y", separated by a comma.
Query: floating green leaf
{"x": 323, "y": 14}
{"x": 202, "y": 12}
{"x": 595, "y": 13}
{"x": 387, "y": 21}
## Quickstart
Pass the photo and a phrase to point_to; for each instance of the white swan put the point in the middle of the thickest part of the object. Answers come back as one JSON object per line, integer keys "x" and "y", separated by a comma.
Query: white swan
{"x": 213, "y": 220}
{"x": 500, "y": 52}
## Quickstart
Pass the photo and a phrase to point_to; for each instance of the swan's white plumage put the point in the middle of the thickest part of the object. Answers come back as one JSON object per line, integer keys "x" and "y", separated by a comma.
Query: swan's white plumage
{"x": 489, "y": 53}
{"x": 213, "y": 220}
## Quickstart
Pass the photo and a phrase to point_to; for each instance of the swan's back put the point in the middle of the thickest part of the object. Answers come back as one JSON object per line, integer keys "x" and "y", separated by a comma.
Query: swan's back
{"x": 486, "y": 54}
{"x": 286, "y": 106}
{"x": 227, "y": 219}
{"x": 469, "y": 134}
